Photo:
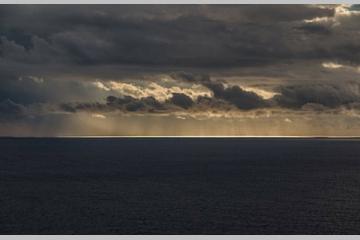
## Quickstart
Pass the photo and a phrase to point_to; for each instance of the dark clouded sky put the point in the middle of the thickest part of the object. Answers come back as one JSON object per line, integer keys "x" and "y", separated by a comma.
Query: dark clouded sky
{"x": 179, "y": 70}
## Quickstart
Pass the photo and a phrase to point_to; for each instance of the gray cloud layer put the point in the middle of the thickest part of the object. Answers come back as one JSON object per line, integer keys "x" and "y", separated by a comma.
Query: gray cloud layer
{"x": 188, "y": 36}
{"x": 50, "y": 56}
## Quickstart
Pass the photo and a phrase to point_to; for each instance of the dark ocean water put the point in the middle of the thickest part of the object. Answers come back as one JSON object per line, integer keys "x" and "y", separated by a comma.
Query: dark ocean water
{"x": 179, "y": 186}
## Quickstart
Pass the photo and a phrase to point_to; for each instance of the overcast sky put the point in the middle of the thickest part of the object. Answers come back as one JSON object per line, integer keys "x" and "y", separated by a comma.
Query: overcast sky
{"x": 179, "y": 70}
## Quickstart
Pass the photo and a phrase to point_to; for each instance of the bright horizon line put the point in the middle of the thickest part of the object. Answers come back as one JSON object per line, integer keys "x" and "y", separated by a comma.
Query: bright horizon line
{"x": 181, "y": 136}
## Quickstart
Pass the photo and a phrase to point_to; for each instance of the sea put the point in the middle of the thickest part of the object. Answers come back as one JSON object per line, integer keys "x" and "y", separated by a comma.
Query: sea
{"x": 179, "y": 185}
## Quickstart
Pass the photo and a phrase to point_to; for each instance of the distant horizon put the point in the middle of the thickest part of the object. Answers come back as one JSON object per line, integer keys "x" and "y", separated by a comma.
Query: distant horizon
{"x": 185, "y": 136}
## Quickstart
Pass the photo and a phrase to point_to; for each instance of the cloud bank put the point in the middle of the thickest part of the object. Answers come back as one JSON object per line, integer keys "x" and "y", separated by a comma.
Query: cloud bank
{"x": 296, "y": 65}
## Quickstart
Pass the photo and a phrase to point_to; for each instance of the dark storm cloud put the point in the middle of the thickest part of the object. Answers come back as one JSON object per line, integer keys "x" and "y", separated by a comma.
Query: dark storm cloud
{"x": 135, "y": 105}
{"x": 331, "y": 96}
{"x": 181, "y": 100}
{"x": 76, "y": 107}
{"x": 237, "y": 96}
{"x": 132, "y": 104}
{"x": 124, "y": 103}
{"x": 192, "y": 36}
{"x": 152, "y": 103}
{"x": 190, "y": 77}
{"x": 100, "y": 16}
{"x": 315, "y": 29}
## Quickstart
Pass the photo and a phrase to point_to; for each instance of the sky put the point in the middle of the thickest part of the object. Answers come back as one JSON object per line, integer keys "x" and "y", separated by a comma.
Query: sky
{"x": 179, "y": 70}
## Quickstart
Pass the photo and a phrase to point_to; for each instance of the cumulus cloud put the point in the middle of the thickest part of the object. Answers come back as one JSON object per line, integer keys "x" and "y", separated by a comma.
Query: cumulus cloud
{"x": 332, "y": 65}
{"x": 162, "y": 92}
